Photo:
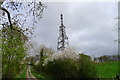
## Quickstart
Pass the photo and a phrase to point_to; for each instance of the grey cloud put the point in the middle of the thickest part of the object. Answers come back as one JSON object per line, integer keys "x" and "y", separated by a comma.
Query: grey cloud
{"x": 89, "y": 26}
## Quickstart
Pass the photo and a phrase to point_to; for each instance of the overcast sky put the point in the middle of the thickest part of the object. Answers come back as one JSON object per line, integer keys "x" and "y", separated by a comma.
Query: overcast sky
{"x": 89, "y": 26}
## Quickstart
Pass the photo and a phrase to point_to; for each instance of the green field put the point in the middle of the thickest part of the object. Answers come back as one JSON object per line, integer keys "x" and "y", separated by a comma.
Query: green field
{"x": 107, "y": 69}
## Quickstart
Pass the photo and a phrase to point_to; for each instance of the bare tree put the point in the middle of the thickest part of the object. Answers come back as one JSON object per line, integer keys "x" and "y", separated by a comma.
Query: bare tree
{"x": 19, "y": 12}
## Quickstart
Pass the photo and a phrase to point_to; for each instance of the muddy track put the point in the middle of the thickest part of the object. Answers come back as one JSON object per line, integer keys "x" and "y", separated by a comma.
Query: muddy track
{"x": 29, "y": 75}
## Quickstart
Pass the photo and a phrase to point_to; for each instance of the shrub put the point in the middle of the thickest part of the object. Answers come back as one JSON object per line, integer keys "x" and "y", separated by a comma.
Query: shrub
{"x": 86, "y": 67}
{"x": 14, "y": 49}
{"x": 69, "y": 64}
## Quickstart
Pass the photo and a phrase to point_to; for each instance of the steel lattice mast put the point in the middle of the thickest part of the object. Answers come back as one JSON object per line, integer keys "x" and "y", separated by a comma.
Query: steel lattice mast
{"x": 62, "y": 39}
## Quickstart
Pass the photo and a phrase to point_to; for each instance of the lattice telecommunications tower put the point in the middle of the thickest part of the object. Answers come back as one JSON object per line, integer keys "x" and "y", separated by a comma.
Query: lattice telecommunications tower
{"x": 62, "y": 39}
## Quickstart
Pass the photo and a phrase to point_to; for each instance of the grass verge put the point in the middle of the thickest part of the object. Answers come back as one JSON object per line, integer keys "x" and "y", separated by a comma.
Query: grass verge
{"x": 107, "y": 69}
{"x": 22, "y": 75}
{"x": 38, "y": 76}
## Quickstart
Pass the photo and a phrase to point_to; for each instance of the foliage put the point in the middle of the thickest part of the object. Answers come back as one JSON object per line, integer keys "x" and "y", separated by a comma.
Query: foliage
{"x": 14, "y": 49}
{"x": 14, "y": 39}
{"x": 37, "y": 75}
{"x": 68, "y": 64}
{"x": 43, "y": 53}
{"x": 46, "y": 50}
{"x": 22, "y": 74}
{"x": 87, "y": 68}
{"x": 68, "y": 53}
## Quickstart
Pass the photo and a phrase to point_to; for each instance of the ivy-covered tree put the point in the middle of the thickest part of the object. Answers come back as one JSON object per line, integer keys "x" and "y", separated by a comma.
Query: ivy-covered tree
{"x": 14, "y": 49}
{"x": 16, "y": 33}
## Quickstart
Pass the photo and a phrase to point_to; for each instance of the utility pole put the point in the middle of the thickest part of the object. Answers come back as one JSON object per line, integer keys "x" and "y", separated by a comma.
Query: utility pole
{"x": 62, "y": 39}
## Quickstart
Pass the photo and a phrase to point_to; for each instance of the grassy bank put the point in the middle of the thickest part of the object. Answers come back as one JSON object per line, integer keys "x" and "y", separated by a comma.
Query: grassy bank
{"x": 22, "y": 73}
{"x": 107, "y": 69}
{"x": 40, "y": 77}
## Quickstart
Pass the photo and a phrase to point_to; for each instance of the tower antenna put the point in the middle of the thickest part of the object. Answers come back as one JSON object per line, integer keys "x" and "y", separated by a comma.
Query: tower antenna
{"x": 62, "y": 38}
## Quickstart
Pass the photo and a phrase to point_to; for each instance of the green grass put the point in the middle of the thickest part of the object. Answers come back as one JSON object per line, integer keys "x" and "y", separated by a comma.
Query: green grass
{"x": 107, "y": 69}
{"x": 104, "y": 70}
{"x": 23, "y": 73}
{"x": 40, "y": 77}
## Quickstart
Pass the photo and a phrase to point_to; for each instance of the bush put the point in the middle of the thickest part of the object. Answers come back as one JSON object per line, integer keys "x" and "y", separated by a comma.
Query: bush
{"x": 61, "y": 68}
{"x": 86, "y": 67}
{"x": 69, "y": 65}
{"x": 14, "y": 49}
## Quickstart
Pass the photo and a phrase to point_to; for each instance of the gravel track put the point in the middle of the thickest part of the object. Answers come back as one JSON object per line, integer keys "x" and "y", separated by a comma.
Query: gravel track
{"x": 29, "y": 75}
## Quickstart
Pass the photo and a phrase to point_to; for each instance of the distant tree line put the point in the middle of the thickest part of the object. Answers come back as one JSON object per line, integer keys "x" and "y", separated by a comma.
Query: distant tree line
{"x": 107, "y": 58}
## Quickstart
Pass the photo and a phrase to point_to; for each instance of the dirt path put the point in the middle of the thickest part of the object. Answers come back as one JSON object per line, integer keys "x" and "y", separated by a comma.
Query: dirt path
{"x": 29, "y": 75}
